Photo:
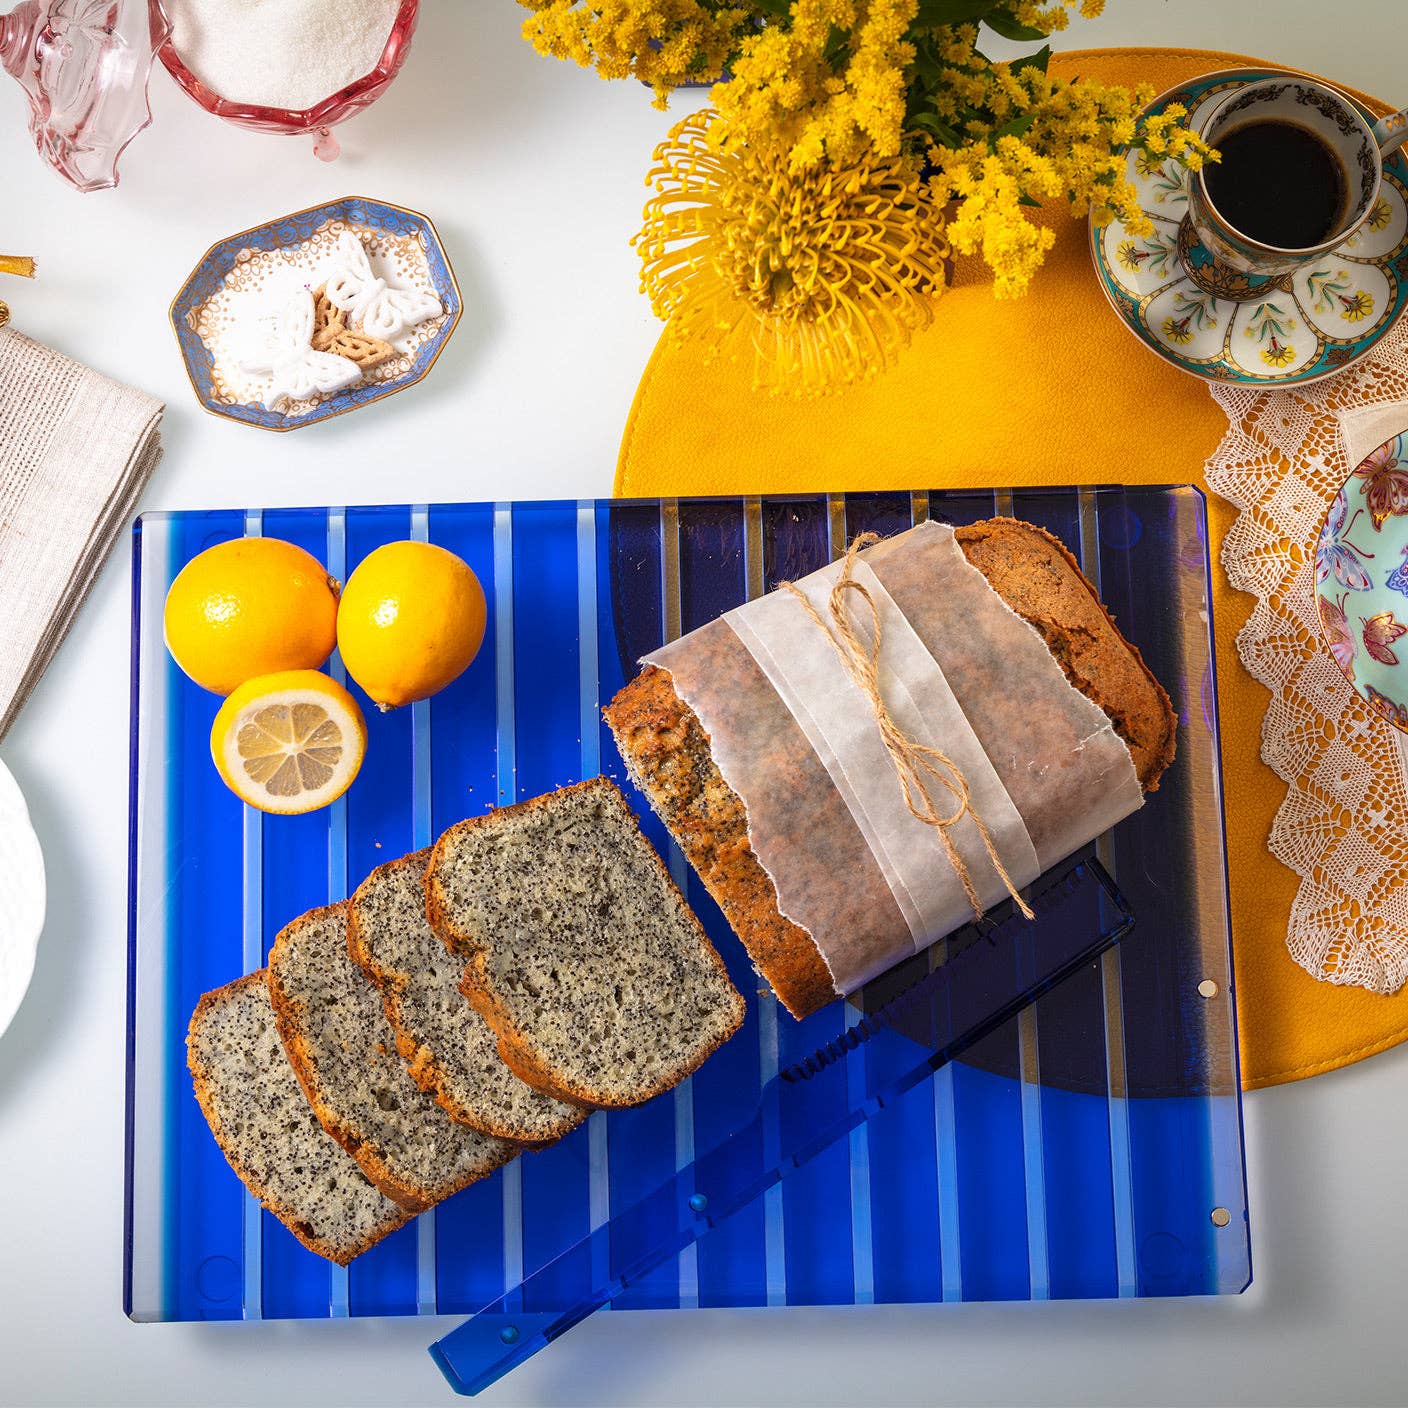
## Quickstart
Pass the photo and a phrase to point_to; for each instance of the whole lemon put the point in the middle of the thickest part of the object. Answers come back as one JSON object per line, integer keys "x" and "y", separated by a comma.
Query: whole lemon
{"x": 252, "y": 606}
{"x": 410, "y": 621}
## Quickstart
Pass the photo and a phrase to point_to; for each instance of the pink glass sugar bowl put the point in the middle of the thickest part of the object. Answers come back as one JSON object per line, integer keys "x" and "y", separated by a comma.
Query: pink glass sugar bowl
{"x": 318, "y": 120}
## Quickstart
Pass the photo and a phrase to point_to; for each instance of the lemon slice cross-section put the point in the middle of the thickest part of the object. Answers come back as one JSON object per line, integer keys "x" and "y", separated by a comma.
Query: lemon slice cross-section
{"x": 289, "y": 742}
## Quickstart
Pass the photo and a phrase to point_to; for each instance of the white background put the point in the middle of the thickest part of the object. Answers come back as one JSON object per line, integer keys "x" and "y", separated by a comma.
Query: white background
{"x": 533, "y": 173}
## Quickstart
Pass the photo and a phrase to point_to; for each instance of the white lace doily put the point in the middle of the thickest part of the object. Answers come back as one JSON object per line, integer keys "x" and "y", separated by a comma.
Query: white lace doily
{"x": 1343, "y": 827}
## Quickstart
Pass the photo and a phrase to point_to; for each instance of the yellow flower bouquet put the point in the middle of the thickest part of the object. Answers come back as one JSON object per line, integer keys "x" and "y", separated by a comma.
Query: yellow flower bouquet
{"x": 851, "y": 147}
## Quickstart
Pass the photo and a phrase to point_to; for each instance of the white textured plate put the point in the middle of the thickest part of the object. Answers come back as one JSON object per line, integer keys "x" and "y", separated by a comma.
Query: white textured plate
{"x": 21, "y": 896}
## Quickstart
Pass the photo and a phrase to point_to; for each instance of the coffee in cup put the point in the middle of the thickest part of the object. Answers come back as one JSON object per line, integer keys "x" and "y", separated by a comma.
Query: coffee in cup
{"x": 1299, "y": 171}
{"x": 1280, "y": 183}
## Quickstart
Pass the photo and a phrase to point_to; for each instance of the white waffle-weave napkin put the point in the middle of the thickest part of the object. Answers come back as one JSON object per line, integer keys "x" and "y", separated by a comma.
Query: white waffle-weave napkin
{"x": 76, "y": 451}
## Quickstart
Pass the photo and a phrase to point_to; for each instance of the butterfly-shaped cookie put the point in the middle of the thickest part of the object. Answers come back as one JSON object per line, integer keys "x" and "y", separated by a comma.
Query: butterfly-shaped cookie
{"x": 331, "y": 334}
{"x": 1380, "y": 632}
{"x": 299, "y": 371}
{"x": 1335, "y": 557}
{"x": 372, "y": 306}
{"x": 1386, "y": 489}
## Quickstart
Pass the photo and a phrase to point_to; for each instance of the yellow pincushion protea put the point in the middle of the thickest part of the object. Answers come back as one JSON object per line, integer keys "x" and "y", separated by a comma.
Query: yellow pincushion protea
{"x": 831, "y": 268}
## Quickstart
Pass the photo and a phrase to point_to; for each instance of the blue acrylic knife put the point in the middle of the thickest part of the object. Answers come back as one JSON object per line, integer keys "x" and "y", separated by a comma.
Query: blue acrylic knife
{"x": 993, "y": 969}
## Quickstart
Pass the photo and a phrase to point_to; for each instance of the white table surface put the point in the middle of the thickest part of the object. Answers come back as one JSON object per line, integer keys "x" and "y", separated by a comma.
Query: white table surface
{"x": 533, "y": 172}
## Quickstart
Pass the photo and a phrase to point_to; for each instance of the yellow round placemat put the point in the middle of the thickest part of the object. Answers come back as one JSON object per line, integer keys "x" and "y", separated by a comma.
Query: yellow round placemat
{"x": 1048, "y": 389}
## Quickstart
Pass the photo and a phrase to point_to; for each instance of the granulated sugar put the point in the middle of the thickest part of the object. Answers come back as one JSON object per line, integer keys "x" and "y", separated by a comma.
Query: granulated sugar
{"x": 280, "y": 53}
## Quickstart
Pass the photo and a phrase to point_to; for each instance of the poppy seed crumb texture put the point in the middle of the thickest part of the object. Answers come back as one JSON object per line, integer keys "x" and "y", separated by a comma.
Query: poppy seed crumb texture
{"x": 266, "y": 1129}
{"x": 580, "y": 952}
{"x": 343, "y": 1051}
{"x": 449, "y": 1049}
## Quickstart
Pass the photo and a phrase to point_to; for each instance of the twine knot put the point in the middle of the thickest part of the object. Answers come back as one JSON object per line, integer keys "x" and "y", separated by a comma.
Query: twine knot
{"x": 917, "y": 766}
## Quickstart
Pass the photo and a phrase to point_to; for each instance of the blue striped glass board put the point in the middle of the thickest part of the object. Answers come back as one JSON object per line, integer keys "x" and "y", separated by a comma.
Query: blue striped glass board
{"x": 1091, "y": 1147}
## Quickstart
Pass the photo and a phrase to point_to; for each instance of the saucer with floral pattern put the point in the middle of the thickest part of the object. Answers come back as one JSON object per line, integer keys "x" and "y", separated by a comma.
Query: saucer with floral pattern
{"x": 1280, "y": 330}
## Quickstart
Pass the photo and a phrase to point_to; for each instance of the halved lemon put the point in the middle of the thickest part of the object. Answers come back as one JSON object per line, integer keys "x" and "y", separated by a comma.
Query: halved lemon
{"x": 289, "y": 742}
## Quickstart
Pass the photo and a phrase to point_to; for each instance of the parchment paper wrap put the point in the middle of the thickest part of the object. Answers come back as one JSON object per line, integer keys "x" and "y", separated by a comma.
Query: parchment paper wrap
{"x": 796, "y": 739}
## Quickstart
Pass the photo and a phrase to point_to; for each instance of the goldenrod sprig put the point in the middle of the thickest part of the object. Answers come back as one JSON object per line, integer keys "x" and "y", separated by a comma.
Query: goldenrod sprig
{"x": 853, "y": 144}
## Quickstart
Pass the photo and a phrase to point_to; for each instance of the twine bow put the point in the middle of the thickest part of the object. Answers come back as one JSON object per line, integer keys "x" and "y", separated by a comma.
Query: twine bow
{"x": 917, "y": 766}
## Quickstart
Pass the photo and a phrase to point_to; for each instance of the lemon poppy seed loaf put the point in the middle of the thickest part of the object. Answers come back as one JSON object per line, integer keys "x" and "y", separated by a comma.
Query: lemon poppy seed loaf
{"x": 447, "y": 1046}
{"x": 1036, "y": 575}
{"x": 667, "y": 750}
{"x": 343, "y": 1051}
{"x": 267, "y": 1131}
{"x": 580, "y": 952}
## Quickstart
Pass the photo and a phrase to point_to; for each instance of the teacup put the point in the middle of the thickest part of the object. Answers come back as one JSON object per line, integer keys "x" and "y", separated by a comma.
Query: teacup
{"x": 1361, "y": 581}
{"x": 1320, "y": 120}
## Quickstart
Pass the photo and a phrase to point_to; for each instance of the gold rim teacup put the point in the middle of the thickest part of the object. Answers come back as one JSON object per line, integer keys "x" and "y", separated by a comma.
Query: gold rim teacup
{"x": 1211, "y": 247}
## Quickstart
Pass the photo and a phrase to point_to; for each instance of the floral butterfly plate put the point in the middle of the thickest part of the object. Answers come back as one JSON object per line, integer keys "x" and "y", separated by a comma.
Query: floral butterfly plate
{"x": 1290, "y": 331}
{"x": 238, "y": 293}
{"x": 1361, "y": 580}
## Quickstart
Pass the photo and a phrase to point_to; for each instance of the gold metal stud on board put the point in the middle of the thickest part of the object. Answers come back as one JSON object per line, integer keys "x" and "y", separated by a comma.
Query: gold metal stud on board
{"x": 1221, "y": 1217}
{"x": 1207, "y": 988}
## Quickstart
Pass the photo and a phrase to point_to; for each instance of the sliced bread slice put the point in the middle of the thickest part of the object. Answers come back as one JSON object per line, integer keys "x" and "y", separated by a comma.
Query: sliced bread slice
{"x": 447, "y": 1045}
{"x": 265, "y": 1127}
{"x": 343, "y": 1051}
{"x": 582, "y": 955}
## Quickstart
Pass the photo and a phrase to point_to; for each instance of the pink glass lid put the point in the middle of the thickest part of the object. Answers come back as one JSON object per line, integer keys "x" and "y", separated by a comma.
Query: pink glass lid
{"x": 84, "y": 66}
